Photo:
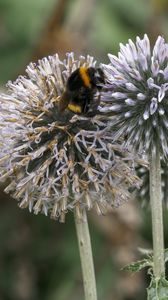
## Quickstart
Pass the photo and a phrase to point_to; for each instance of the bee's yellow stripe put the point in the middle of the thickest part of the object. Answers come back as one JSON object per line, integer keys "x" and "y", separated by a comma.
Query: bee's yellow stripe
{"x": 85, "y": 77}
{"x": 75, "y": 108}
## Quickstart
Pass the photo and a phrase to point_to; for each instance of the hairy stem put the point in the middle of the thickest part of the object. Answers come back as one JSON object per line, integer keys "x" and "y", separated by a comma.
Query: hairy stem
{"x": 86, "y": 257}
{"x": 157, "y": 214}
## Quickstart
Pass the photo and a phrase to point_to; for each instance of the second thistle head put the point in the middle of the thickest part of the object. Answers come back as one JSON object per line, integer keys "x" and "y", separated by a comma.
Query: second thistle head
{"x": 138, "y": 93}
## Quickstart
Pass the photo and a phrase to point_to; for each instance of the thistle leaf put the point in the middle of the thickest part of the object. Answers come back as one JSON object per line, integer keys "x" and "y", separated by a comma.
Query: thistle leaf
{"x": 158, "y": 289}
{"x": 138, "y": 265}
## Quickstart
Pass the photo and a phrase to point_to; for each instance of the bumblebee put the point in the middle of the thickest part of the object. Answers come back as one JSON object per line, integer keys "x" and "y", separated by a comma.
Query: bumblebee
{"x": 81, "y": 88}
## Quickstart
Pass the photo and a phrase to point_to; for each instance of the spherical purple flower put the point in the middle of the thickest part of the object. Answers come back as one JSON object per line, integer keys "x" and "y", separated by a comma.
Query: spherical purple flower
{"x": 138, "y": 93}
{"x": 59, "y": 162}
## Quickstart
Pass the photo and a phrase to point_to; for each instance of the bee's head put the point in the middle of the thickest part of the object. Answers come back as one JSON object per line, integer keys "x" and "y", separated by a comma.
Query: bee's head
{"x": 97, "y": 76}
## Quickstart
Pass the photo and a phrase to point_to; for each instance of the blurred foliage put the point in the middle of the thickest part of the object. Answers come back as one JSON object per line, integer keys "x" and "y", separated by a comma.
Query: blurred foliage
{"x": 39, "y": 257}
{"x": 21, "y": 22}
{"x": 114, "y": 23}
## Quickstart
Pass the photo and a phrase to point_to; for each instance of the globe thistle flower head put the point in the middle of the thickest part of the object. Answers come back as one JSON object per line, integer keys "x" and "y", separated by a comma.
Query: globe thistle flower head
{"x": 138, "y": 93}
{"x": 59, "y": 162}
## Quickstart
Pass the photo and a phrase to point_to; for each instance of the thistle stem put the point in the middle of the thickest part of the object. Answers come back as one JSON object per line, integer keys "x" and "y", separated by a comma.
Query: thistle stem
{"x": 86, "y": 257}
{"x": 157, "y": 213}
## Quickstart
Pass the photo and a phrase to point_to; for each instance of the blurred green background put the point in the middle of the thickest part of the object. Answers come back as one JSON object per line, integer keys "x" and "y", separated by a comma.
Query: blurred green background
{"x": 39, "y": 257}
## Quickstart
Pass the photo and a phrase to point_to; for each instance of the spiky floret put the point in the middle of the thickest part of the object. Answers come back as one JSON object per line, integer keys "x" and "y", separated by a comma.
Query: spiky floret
{"x": 138, "y": 80}
{"x": 58, "y": 162}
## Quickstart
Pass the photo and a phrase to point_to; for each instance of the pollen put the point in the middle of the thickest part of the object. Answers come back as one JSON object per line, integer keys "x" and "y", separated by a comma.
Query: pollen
{"x": 75, "y": 108}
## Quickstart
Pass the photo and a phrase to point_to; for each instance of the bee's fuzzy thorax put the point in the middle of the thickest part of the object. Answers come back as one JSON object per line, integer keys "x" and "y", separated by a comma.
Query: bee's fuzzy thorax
{"x": 85, "y": 76}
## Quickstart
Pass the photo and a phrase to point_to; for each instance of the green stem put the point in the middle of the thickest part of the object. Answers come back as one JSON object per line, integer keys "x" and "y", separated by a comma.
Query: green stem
{"x": 86, "y": 257}
{"x": 157, "y": 214}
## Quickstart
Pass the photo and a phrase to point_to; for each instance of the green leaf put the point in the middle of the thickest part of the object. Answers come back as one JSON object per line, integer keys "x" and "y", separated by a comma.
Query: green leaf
{"x": 158, "y": 289}
{"x": 138, "y": 265}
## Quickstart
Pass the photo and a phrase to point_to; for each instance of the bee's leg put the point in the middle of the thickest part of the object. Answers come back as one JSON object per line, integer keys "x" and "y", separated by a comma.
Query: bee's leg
{"x": 96, "y": 102}
{"x": 93, "y": 108}
{"x": 98, "y": 99}
{"x": 86, "y": 102}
